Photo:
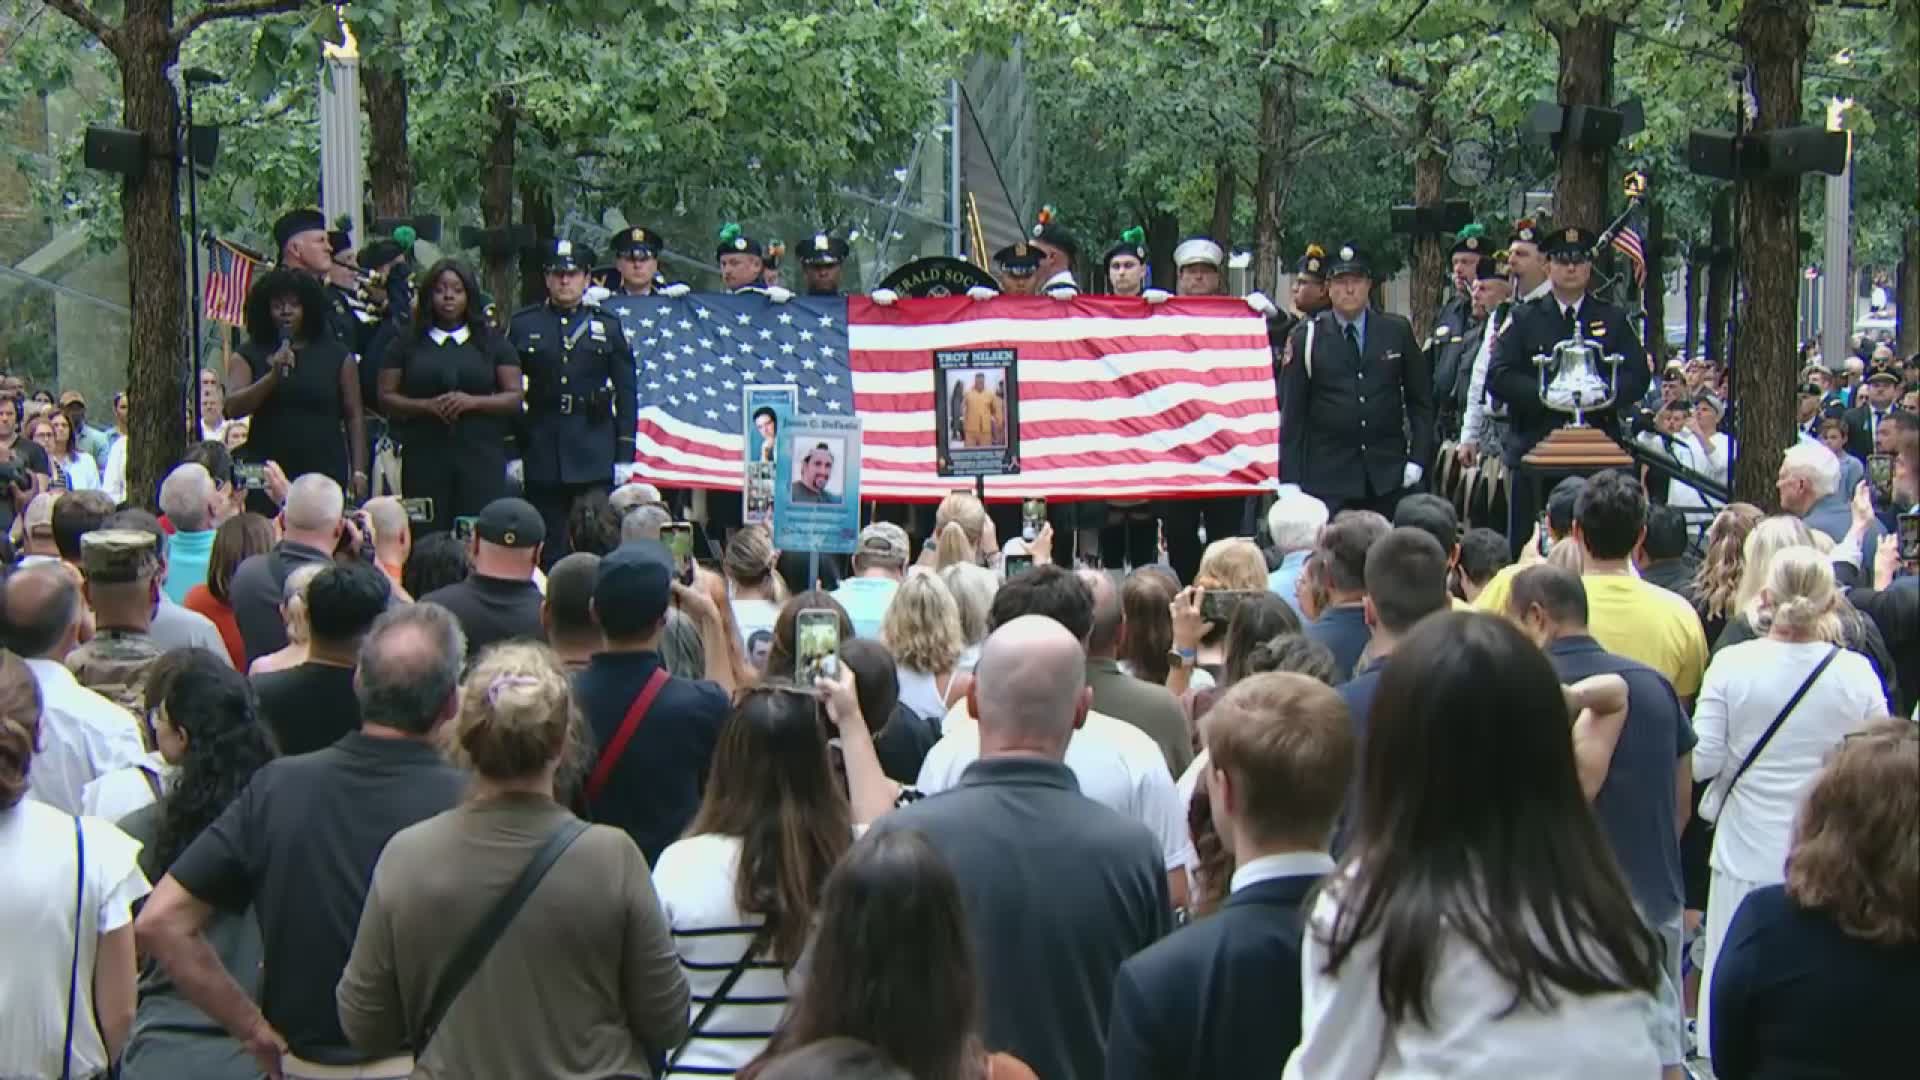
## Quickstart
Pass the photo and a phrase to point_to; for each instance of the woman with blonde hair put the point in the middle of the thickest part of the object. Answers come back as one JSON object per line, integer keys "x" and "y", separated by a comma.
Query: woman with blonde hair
{"x": 1717, "y": 580}
{"x": 922, "y": 627}
{"x": 754, "y": 590}
{"x": 962, "y": 533}
{"x": 583, "y": 983}
{"x": 1232, "y": 565}
{"x": 1770, "y": 711}
{"x": 972, "y": 588}
{"x": 1818, "y": 974}
{"x": 293, "y": 612}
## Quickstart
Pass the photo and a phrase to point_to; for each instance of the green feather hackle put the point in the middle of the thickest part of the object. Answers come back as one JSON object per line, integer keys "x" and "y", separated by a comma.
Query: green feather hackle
{"x": 1135, "y": 236}
{"x": 729, "y": 233}
{"x": 405, "y": 236}
{"x": 1471, "y": 231}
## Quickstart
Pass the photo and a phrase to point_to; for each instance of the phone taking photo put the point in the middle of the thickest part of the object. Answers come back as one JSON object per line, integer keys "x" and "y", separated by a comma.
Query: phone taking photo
{"x": 1015, "y": 565}
{"x": 1880, "y": 476}
{"x": 250, "y": 475}
{"x": 1033, "y": 518}
{"x": 1908, "y": 525}
{"x": 678, "y": 536}
{"x": 816, "y": 645}
{"x": 1217, "y": 607}
{"x": 419, "y": 511}
{"x": 463, "y": 527}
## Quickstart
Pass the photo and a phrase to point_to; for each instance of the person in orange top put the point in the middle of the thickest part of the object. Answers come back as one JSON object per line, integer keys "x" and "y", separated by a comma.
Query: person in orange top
{"x": 237, "y": 538}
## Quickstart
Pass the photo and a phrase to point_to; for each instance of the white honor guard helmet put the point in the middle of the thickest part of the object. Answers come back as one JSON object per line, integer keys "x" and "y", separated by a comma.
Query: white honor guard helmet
{"x": 1199, "y": 250}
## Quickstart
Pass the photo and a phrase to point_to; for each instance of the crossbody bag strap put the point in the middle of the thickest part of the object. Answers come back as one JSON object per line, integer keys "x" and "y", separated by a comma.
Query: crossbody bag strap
{"x": 719, "y": 995}
{"x": 481, "y": 940}
{"x": 1767, "y": 736}
{"x": 79, "y": 913}
{"x": 629, "y": 725}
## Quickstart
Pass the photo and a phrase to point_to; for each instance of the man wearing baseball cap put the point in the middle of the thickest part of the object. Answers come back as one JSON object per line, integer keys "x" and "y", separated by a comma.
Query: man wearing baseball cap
{"x": 499, "y": 600}
{"x": 880, "y": 560}
{"x": 87, "y": 439}
{"x": 1863, "y": 422}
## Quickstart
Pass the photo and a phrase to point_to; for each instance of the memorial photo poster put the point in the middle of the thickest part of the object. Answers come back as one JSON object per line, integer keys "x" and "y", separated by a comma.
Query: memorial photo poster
{"x": 764, "y": 407}
{"x": 816, "y": 491}
{"x": 976, "y": 409}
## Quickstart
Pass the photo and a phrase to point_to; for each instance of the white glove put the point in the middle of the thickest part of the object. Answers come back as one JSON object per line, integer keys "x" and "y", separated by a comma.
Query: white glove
{"x": 1156, "y": 297}
{"x": 1064, "y": 292}
{"x": 1411, "y": 475}
{"x": 596, "y": 293}
{"x": 676, "y": 290}
{"x": 884, "y": 297}
{"x": 1258, "y": 301}
{"x": 779, "y": 294}
{"x": 981, "y": 292}
{"x": 623, "y": 472}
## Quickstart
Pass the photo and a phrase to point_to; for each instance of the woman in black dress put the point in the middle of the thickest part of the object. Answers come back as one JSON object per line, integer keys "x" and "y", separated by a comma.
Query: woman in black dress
{"x": 299, "y": 386}
{"x": 452, "y": 388}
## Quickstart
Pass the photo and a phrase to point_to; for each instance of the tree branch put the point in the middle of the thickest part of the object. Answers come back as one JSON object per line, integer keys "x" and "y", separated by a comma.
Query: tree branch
{"x": 233, "y": 9}
{"x": 1398, "y": 125}
{"x": 82, "y": 14}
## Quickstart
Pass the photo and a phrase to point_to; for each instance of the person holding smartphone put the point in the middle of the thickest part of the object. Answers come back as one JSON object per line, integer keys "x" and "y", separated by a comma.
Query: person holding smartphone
{"x": 299, "y": 385}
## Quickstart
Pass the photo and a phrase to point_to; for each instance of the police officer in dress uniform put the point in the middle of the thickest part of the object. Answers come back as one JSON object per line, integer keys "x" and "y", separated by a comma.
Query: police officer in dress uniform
{"x": 821, "y": 263}
{"x": 1016, "y": 268}
{"x": 581, "y": 405}
{"x": 1356, "y": 400}
{"x": 1565, "y": 312}
{"x": 122, "y": 586}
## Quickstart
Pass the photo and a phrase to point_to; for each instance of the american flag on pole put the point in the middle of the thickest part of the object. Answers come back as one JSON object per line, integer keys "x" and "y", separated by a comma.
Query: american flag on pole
{"x": 229, "y": 276}
{"x": 1627, "y": 241}
{"x": 1118, "y": 399}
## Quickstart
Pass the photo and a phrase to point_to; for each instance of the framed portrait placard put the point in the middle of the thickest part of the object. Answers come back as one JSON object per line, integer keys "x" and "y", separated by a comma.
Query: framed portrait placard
{"x": 976, "y": 410}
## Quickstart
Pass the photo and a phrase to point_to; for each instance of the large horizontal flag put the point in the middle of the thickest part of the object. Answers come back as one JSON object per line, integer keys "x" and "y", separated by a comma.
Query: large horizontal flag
{"x": 1118, "y": 399}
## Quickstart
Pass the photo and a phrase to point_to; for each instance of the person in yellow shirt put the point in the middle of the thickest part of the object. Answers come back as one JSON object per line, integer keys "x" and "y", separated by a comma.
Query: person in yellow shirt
{"x": 1559, "y": 525}
{"x": 982, "y": 414}
{"x": 1626, "y": 615}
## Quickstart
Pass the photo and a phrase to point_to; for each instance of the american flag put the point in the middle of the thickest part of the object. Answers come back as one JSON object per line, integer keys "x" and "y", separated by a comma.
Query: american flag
{"x": 1117, "y": 399}
{"x": 1627, "y": 241}
{"x": 229, "y": 276}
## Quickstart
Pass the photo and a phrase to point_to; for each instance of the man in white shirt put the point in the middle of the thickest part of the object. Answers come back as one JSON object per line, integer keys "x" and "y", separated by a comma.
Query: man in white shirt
{"x": 1115, "y": 763}
{"x": 82, "y": 734}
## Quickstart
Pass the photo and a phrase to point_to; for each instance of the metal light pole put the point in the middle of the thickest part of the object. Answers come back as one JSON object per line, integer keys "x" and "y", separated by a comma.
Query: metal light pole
{"x": 191, "y": 79}
{"x": 1836, "y": 288}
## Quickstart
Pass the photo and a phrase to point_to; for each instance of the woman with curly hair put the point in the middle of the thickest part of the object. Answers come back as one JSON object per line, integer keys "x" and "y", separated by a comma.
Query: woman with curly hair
{"x": 116, "y": 794}
{"x": 299, "y": 387}
{"x": 1819, "y": 973}
{"x": 1717, "y": 581}
{"x": 922, "y": 627}
{"x": 206, "y": 728}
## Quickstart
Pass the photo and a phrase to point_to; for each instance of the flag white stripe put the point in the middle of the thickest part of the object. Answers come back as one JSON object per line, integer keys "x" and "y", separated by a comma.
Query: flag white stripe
{"x": 974, "y": 332}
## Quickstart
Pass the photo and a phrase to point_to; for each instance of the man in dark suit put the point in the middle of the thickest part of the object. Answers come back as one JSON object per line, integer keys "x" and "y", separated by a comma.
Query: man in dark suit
{"x": 1566, "y": 312}
{"x": 1356, "y": 400}
{"x": 1221, "y": 998}
{"x": 1863, "y": 422}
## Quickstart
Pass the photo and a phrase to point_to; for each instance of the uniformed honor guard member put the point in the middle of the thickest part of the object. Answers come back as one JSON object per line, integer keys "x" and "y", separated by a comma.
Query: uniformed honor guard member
{"x": 1484, "y": 424}
{"x": 1199, "y": 269}
{"x": 636, "y": 264}
{"x": 1016, "y": 268}
{"x": 1454, "y": 356}
{"x": 582, "y": 412}
{"x": 1565, "y": 313}
{"x": 821, "y": 263}
{"x": 770, "y": 276}
{"x": 1356, "y": 400}
{"x": 307, "y": 246}
{"x": 1309, "y": 290}
{"x": 1126, "y": 263}
{"x": 1463, "y": 259}
{"x": 1058, "y": 252}
{"x": 122, "y": 588}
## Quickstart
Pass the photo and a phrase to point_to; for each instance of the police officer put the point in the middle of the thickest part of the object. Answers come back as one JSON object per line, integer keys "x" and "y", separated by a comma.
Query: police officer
{"x": 1356, "y": 400}
{"x": 636, "y": 266}
{"x": 1017, "y": 269}
{"x": 770, "y": 275}
{"x": 1566, "y": 312}
{"x": 1126, "y": 263}
{"x": 122, "y": 587}
{"x": 820, "y": 264}
{"x": 581, "y": 407}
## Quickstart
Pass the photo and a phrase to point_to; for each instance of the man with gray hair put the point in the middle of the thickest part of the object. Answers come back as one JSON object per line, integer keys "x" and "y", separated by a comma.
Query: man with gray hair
{"x": 1809, "y": 483}
{"x": 1047, "y": 956}
{"x": 194, "y": 508}
{"x": 644, "y": 522}
{"x": 1294, "y": 522}
{"x": 310, "y": 527}
{"x": 299, "y": 846}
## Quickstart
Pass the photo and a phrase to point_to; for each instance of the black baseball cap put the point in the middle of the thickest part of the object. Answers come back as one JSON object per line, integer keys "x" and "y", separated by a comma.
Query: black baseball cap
{"x": 511, "y": 523}
{"x": 635, "y": 578}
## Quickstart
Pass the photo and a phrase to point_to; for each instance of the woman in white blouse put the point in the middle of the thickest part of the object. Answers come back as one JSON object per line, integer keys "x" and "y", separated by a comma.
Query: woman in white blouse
{"x": 1746, "y": 688}
{"x": 740, "y": 891}
{"x": 66, "y": 915}
{"x": 1479, "y": 925}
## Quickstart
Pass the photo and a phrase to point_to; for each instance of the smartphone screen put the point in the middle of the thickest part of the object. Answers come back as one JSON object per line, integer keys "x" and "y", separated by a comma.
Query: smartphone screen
{"x": 1880, "y": 476}
{"x": 816, "y": 645}
{"x": 679, "y": 538}
{"x": 1909, "y": 526}
{"x": 463, "y": 527}
{"x": 252, "y": 475}
{"x": 1218, "y": 607}
{"x": 1016, "y": 564}
{"x": 1033, "y": 517}
{"x": 419, "y": 511}
{"x": 1546, "y": 538}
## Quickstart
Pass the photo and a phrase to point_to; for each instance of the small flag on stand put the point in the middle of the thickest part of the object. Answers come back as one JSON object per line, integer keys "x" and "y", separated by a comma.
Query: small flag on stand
{"x": 229, "y": 276}
{"x": 1627, "y": 240}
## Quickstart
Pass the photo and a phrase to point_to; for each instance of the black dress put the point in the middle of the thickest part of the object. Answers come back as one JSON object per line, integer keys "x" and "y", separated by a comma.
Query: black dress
{"x": 302, "y": 424}
{"x": 460, "y": 466}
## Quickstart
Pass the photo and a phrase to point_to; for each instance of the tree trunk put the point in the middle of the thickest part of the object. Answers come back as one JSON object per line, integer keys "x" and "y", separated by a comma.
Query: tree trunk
{"x": 1586, "y": 78}
{"x": 389, "y": 164}
{"x": 1223, "y": 182}
{"x": 1694, "y": 269}
{"x": 1275, "y": 132}
{"x": 496, "y": 199}
{"x": 1163, "y": 235}
{"x": 1907, "y": 296}
{"x": 1430, "y": 270}
{"x": 1774, "y": 36}
{"x": 157, "y": 377}
{"x": 1653, "y": 295}
{"x": 536, "y": 210}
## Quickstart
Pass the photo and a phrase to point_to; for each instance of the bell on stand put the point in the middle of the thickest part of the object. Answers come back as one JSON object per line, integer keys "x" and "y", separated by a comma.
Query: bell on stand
{"x": 1571, "y": 382}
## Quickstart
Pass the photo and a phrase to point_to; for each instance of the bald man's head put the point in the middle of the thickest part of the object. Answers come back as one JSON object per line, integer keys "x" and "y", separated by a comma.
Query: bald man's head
{"x": 1104, "y": 640}
{"x": 43, "y": 612}
{"x": 1030, "y": 688}
{"x": 390, "y": 524}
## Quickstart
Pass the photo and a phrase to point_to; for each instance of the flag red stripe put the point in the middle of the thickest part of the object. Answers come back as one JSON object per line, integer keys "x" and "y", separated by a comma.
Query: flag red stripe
{"x": 1171, "y": 417}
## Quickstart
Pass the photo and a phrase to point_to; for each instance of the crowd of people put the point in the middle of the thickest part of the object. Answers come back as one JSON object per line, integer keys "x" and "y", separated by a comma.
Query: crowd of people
{"x": 303, "y": 782}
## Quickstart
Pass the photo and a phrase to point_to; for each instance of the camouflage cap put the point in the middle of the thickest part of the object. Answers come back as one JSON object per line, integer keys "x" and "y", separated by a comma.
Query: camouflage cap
{"x": 112, "y": 556}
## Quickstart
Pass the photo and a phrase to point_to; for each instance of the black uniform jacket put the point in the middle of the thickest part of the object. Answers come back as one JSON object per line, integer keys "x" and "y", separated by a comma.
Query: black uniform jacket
{"x": 1350, "y": 424}
{"x": 581, "y": 409}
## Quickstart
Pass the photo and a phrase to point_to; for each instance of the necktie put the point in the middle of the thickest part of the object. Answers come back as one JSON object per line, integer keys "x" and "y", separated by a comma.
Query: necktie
{"x": 1353, "y": 337}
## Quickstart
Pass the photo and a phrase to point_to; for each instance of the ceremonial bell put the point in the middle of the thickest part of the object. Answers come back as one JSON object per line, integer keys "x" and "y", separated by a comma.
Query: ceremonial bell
{"x": 1570, "y": 378}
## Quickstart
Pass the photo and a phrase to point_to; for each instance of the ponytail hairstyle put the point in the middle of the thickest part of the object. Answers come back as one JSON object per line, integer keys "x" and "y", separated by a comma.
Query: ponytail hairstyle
{"x": 750, "y": 558}
{"x": 516, "y": 712}
{"x": 958, "y": 527}
{"x": 19, "y": 728}
{"x": 1800, "y": 596}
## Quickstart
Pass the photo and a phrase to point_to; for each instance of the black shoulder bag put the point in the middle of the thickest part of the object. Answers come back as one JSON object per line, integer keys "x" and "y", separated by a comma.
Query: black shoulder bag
{"x": 720, "y": 993}
{"x": 480, "y": 942}
{"x": 79, "y": 920}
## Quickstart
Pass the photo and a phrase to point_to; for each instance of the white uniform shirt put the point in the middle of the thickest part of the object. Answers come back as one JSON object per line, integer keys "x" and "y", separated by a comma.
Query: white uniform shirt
{"x": 82, "y": 736}
{"x": 1116, "y": 763}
